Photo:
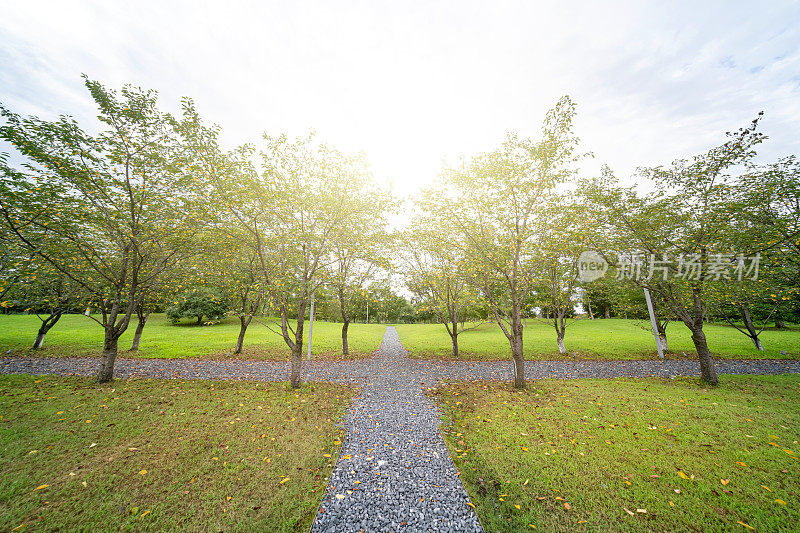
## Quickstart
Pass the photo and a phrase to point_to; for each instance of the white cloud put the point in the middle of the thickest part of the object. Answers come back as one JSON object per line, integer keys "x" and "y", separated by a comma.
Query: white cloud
{"x": 411, "y": 83}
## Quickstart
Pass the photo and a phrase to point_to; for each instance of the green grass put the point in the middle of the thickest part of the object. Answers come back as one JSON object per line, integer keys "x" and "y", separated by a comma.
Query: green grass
{"x": 149, "y": 455}
{"x": 574, "y": 455}
{"x": 594, "y": 339}
{"x": 79, "y": 335}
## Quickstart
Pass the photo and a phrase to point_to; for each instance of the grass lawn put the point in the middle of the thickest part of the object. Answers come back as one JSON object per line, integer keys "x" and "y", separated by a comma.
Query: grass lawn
{"x": 595, "y": 339}
{"x": 629, "y": 454}
{"x": 150, "y": 455}
{"x": 79, "y": 335}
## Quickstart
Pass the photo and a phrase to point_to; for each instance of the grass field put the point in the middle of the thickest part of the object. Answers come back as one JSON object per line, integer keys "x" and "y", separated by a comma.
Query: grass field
{"x": 629, "y": 455}
{"x": 79, "y": 335}
{"x": 594, "y": 339}
{"x": 149, "y": 455}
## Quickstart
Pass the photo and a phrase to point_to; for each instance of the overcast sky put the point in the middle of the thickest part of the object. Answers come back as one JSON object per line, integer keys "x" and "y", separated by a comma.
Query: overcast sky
{"x": 413, "y": 83}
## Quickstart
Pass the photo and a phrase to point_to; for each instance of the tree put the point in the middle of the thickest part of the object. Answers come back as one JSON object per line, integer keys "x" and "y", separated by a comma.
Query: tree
{"x": 108, "y": 211}
{"x": 47, "y": 293}
{"x": 678, "y": 230}
{"x": 498, "y": 200}
{"x": 290, "y": 210}
{"x": 360, "y": 246}
{"x": 435, "y": 270}
{"x": 199, "y": 304}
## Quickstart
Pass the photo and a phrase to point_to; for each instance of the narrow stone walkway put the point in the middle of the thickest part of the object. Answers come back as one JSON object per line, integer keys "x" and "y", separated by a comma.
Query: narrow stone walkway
{"x": 394, "y": 472}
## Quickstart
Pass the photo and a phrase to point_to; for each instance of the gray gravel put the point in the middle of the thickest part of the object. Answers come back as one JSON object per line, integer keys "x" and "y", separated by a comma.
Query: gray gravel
{"x": 394, "y": 472}
{"x": 357, "y": 372}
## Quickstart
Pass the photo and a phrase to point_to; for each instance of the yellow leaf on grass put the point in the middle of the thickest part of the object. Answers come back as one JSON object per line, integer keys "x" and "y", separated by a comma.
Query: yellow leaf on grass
{"x": 724, "y": 481}
{"x": 524, "y": 449}
{"x": 517, "y": 506}
{"x": 471, "y": 505}
{"x": 40, "y": 487}
{"x": 765, "y": 487}
{"x": 781, "y": 502}
{"x": 745, "y": 525}
{"x": 142, "y": 472}
{"x": 741, "y": 463}
{"x": 145, "y": 513}
{"x": 326, "y": 455}
{"x": 284, "y": 480}
{"x": 683, "y": 476}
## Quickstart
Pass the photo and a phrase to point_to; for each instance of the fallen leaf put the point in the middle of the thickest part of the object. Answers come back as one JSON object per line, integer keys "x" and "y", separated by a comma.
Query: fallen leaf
{"x": 142, "y": 472}
{"x": 40, "y": 487}
{"x": 682, "y": 475}
{"x": 567, "y": 506}
{"x": 517, "y": 506}
{"x": 642, "y": 511}
{"x": 471, "y": 505}
{"x": 284, "y": 480}
{"x": 781, "y": 502}
{"x": 745, "y": 525}
{"x": 147, "y": 512}
{"x": 629, "y": 511}
{"x": 724, "y": 481}
{"x": 767, "y": 488}
{"x": 741, "y": 463}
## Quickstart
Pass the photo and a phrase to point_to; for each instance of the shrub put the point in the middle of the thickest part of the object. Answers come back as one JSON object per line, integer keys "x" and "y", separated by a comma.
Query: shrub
{"x": 198, "y": 303}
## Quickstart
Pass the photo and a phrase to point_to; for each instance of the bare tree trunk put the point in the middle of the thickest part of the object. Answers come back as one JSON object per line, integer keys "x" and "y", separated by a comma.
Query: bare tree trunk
{"x": 137, "y": 335}
{"x": 345, "y": 347}
{"x": 662, "y": 336}
{"x": 454, "y": 339}
{"x": 560, "y": 341}
{"x": 607, "y": 312}
{"x": 744, "y": 311}
{"x": 244, "y": 322}
{"x": 517, "y": 347}
{"x": 47, "y": 325}
{"x": 708, "y": 370}
{"x": 519, "y": 362}
{"x": 780, "y": 324}
{"x": 297, "y": 365}
{"x": 109, "y": 355}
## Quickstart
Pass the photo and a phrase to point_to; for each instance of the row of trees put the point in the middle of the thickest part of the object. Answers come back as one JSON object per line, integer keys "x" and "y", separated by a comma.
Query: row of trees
{"x": 152, "y": 208}
{"x": 152, "y": 205}
{"x": 507, "y": 229}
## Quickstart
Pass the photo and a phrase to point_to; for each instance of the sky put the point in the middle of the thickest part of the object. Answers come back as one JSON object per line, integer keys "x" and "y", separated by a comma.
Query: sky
{"x": 418, "y": 84}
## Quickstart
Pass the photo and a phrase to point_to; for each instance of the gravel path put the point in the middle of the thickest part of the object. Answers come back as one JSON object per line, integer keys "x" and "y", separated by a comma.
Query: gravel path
{"x": 394, "y": 472}
{"x": 358, "y": 372}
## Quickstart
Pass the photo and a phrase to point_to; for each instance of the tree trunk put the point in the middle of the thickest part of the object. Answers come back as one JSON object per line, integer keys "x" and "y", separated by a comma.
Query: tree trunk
{"x": 780, "y": 324}
{"x": 345, "y": 347}
{"x": 199, "y": 320}
{"x": 744, "y": 311}
{"x": 297, "y": 365}
{"x": 607, "y": 312}
{"x": 519, "y": 362}
{"x": 517, "y": 348}
{"x": 47, "y": 325}
{"x": 708, "y": 369}
{"x": 137, "y": 335}
{"x": 244, "y": 322}
{"x": 662, "y": 336}
{"x": 560, "y": 340}
{"x": 106, "y": 373}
